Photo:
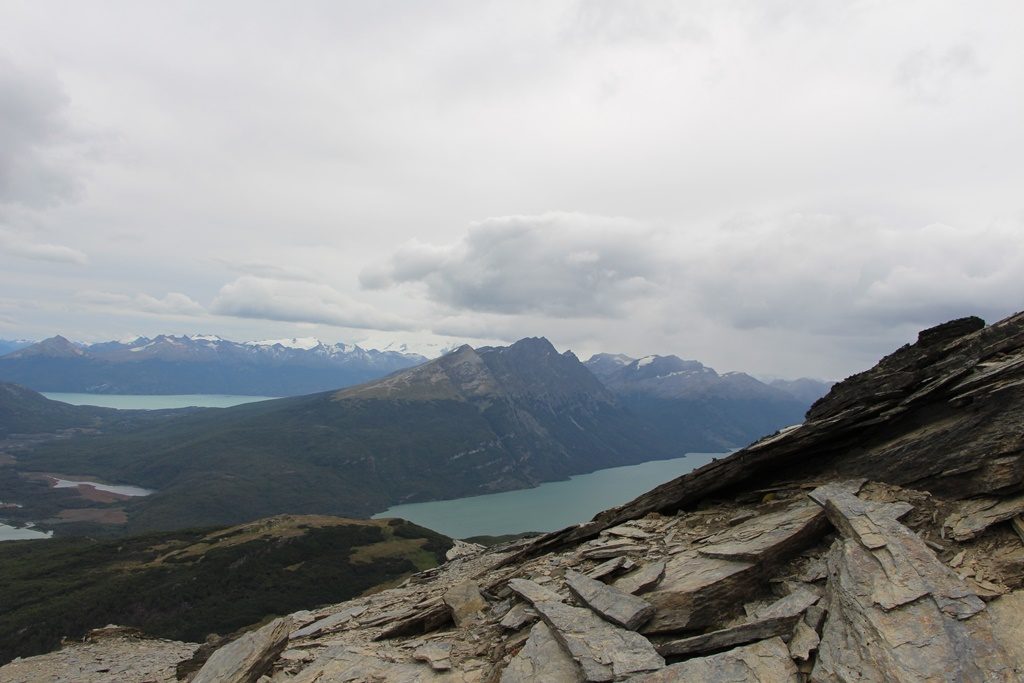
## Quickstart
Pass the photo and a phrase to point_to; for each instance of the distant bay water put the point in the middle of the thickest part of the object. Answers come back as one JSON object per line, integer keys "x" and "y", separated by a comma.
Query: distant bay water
{"x": 154, "y": 402}
{"x": 10, "y": 533}
{"x": 550, "y": 506}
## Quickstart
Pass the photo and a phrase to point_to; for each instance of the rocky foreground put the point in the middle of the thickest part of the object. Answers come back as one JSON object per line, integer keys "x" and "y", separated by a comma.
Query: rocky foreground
{"x": 879, "y": 541}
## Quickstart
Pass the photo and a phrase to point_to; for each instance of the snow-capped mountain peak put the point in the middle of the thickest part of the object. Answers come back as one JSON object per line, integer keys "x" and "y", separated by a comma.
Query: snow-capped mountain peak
{"x": 303, "y": 343}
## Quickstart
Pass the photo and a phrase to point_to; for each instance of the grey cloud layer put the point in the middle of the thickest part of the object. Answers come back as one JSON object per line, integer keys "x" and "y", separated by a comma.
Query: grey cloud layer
{"x": 758, "y": 185}
{"x": 33, "y": 108}
{"x": 811, "y": 273}
{"x": 301, "y": 302}
{"x": 557, "y": 264}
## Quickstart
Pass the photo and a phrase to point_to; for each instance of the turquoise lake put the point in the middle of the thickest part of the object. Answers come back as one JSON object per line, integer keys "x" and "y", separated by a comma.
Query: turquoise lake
{"x": 149, "y": 402}
{"x": 548, "y": 507}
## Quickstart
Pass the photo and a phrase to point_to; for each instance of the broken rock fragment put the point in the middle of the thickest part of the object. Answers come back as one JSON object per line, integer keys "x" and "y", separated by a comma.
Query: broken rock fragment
{"x": 624, "y": 609}
{"x": 643, "y": 579}
{"x": 465, "y": 602}
{"x": 247, "y": 657}
{"x": 604, "y": 652}
{"x": 767, "y": 661}
{"x": 541, "y": 659}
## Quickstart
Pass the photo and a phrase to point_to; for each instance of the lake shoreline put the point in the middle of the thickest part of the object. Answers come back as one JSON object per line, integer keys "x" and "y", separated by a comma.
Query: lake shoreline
{"x": 549, "y": 506}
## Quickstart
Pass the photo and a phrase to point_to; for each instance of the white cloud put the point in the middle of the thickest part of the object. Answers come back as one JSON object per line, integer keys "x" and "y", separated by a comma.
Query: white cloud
{"x": 306, "y": 147}
{"x": 927, "y": 76}
{"x": 24, "y": 247}
{"x": 558, "y": 264}
{"x": 300, "y": 302}
{"x": 171, "y": 304}
{"x": 847, "y": 275}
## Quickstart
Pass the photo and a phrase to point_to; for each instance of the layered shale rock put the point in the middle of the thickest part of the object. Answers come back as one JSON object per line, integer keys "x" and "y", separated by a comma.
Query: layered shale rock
{"x": 875, "y": 542}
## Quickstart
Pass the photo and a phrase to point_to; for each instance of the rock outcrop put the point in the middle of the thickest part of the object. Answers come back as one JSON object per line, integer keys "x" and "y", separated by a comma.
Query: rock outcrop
{"x": 875, "y": 542}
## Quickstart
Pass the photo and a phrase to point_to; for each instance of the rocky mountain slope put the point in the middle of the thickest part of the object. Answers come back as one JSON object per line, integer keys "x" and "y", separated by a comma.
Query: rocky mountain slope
{"x": 198, "y": 364}
{"x": 879, "y": 541}
{"x": 470, "y": 422}
{"x": 691, "y": 403}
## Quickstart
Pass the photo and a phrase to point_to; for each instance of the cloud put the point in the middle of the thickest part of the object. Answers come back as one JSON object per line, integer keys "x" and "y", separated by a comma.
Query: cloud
{"x": 173, "y": 303}
{"x": 851, "y": 275}
{"x": 23, "y": 247}
{"x": 300, "y": 302}
{"x": 32, "y": 131}
{"x": 267, "y": 270}
{"x": 835, "y": 274}
{"x": 557, "y": 264}
{"x": 928, "y": 76}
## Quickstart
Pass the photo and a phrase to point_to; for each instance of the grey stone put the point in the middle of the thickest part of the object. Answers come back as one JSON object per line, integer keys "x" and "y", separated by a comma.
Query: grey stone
{"x": 517, "y": 617}
{"x": 895, "y": 612}
{"x": 742, "y": 634}
{"x": 1008, "y": 627}
{"x": 767, "y": 661}
{"x": 770, "y": 537}
{"x": 624, "y": 609}
{"x": 697, "y": 590}
{"x": 542, "y": 659}
{"x": 610, "y": 550}
{"x": 463, "y": 549}
{"x": 532, "y": 592}
{"x": 248, "y": 657}
{"x": 643, "y": 579}
{"x": 349, "y": 664}
{"x": 792, "y": 604}
{"x": 604, "y": 652}
{"x": 804, "y": 641}
{"x": 973, "y": 516}
{"x": 910, "y": 568}
{"x": 415, "y": 621}
{"x": 627, "y": 531}
{"x": 437, "y": 655}
{"x": 465, "y": 602}
{"x": 610, "y": 567}
{"x": 328, "y": 623}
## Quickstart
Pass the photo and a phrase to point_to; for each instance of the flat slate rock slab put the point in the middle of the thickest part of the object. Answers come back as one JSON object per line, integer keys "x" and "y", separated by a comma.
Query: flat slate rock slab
{"x": 246, "y": 658}
{"x": 541, "y": 659}
{"x": 768, "y": 537}
{"x": 767, "y": 661}
{"x": 643, "y": 579}
{"x": 624, "y": 609}
{"x": 604, "y": 652}
{"x": 973, "y": 516}
{"x": 749, "y": 632}
{"x": 696, "y": 590}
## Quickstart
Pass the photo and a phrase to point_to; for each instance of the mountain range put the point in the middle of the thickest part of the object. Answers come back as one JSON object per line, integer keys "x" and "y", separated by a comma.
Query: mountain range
{"x": 470, "y": 422}
{"x": 690, "y": 403}
{"x": 880, "y": 540}
{"x": 197, "y": 364}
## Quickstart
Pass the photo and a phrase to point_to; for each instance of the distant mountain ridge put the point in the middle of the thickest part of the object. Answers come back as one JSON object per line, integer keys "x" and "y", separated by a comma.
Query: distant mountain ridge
{"x": 197, "y": 364}
{"x": 692, "y": 403}
{"x": 470, "y": 422}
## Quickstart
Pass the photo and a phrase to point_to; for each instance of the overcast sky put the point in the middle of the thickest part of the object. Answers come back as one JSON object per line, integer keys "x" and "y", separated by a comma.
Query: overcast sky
{"x": 786, "y": 188}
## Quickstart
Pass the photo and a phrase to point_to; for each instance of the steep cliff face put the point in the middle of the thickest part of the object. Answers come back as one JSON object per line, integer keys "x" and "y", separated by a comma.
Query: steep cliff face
{"x": 879, "y": 541}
